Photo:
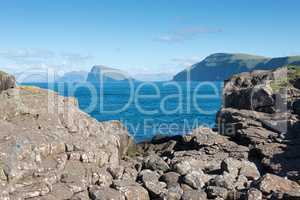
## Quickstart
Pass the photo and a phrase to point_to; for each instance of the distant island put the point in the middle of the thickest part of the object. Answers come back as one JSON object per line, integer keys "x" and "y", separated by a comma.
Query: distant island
{"x": 221, "y": 66}
{"x": 216, "y": 67}
{"x": 100, "y": 73}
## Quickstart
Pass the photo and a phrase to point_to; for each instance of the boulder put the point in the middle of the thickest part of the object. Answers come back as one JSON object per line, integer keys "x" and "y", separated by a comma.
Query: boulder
{"x": 216, "y": 192}
{"x": 183, "y": 167}
{"x": 249, "y": 170}
{"x": 194, "y": 195}
{"x": 155, "y": 162}
{"x": 131, "y": 190}
{"x": 151, "y": 183}
{"x": 171, "y": 178}
{"x": 225, "y": 181}
{"x": 196, "y": 179}
{"x": 271, "y": 183}
{"x": 6, "y": 81}
{"x": 98, "y": 193}
{"x": 254, "y": 194}
{"x": 174, "y": 192}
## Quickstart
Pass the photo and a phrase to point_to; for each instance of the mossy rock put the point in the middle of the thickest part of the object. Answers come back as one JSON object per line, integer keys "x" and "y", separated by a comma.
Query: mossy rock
{"x": 287, "y": 81}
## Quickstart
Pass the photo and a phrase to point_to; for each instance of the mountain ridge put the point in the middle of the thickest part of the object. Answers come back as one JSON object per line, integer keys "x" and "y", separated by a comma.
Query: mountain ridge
{"x": 221, "y": 66}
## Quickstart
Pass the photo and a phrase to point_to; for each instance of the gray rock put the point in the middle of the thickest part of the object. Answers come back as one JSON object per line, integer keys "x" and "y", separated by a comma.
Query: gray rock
{"x": 174, "y": 192}
{"x": 225, "y": 181}
{"x": 231, "y": 166}
{"x": 155, "y": 162}
{"x": 292, "y": 195}
{"x": 241, "y": 182}
{"x": 104, "y": 178}
{"x": 130, "y": 173}
{"x": 249, "y": 170}
{"x": 155, "y": 188}
{"x": 216, "y": 192}
{"x": 116, "y": 171}
{"x": 254, "y": 194}
{"x": 81, "y": 196}
{"x": 194, "y": 195}
{"x": 151, "y": 183}
{"x": 271, "y": 183}
{"x": 98, "y": 193}
{"x": 171, "y": 178}
{"x": 6, "y": 81}
{"x": 148, "y": 175}
{"x": 59, "y": 144}
{"x": 183, "y": 167}
{"x": 196, "y": 179}
{"x": 131, "y": 190}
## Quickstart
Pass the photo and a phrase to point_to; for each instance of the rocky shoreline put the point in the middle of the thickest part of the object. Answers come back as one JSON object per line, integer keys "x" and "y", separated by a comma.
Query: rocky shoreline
{"x": 62, "y": 153}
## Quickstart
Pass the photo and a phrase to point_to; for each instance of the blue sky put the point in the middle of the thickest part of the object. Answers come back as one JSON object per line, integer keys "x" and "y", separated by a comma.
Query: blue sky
{"x": 142, "y": 36}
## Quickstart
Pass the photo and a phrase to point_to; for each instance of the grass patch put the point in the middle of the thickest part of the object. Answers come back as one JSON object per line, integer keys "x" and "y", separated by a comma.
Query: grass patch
{"x": 293, "y": 72}
{"x": 284, "y": 82}
{"x": 278, "y": 84}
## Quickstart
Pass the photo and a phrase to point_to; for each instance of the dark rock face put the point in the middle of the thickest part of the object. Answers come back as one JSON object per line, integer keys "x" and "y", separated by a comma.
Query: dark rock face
{"x": 6, "y": 81}
{"x": 252, "y": 91}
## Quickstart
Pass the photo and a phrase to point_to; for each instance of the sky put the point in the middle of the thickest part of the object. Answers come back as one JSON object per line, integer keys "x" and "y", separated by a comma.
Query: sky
{"x": 142, "y": 36}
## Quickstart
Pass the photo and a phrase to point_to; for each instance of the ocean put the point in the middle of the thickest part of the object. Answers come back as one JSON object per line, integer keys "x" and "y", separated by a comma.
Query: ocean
{"x": 147, "y": 109}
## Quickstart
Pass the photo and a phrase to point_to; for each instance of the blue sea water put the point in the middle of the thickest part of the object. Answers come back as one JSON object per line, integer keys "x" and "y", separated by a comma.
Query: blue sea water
{"x": 148, "y": 109}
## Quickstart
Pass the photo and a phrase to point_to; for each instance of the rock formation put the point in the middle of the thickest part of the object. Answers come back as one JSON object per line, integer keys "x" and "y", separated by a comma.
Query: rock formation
{"x": 100, "y": 74}
{"x": 51, "y": 150}
{"x": 6, "y": 81}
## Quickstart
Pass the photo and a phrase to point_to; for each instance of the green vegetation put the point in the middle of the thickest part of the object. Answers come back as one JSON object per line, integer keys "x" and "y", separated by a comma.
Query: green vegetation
{"x": 293, "y": 72}
{"x": 278, "y": 84}
{"x": 283, "y": 82}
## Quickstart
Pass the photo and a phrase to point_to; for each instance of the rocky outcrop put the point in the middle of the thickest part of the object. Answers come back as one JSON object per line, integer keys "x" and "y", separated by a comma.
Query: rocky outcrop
{"x": 52, "y": 150}
{"x": 6, "y": 81}
{"x": 273, "y": 132}
{"x": 269, "y": 127}
{"x": 252, "y": 91}
{"x": 100, "y": 74}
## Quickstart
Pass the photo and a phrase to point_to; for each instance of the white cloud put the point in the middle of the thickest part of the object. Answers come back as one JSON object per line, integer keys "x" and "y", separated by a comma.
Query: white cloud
{"x": 20, "y": 59}
{"x": 186, "y": 33}
{"x": 27, "y": 56}
{"x": 185, "y": 62}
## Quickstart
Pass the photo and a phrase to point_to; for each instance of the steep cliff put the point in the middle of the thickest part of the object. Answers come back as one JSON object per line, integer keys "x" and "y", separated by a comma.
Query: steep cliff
{"x": 100, "y": 74}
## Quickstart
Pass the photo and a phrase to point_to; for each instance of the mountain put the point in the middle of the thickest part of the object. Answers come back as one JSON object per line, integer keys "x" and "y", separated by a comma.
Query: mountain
{"x": 220, "y": 66}
{"x": 74, "y": 76}
{"x": 101, "y": 73}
